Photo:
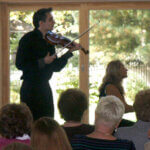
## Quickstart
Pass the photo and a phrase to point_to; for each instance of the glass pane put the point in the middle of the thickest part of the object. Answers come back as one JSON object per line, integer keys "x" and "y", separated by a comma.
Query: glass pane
{"x": 123, "y": 35}
{"x": 67, "y": 23}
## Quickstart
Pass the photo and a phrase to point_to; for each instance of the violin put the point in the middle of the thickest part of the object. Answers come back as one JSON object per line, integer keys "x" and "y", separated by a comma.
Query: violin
{"x": 55, "y": 39}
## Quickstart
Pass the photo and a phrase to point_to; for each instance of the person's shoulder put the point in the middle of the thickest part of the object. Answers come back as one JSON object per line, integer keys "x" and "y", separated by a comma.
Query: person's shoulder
{"x": 122, "y": 131}
{"x": 124, "y": 140}
{"x": 87, "y": 125}
{"x": 125, "y": 143}
{"x": 28, "y": 35}
{"x": 125, "y": 132}
{"x": 78, "y": 137}
{"x": 125, "y": 129}
{"x": 112, "y": 90}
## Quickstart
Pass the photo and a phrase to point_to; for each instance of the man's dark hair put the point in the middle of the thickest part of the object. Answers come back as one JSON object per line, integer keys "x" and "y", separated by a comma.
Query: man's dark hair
{"x": 72, "y": 104}
{"x": 40, "y": 15}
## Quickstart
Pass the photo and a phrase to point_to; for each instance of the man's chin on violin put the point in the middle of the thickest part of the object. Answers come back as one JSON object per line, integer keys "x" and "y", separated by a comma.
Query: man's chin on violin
{"x": 76, "y": 46}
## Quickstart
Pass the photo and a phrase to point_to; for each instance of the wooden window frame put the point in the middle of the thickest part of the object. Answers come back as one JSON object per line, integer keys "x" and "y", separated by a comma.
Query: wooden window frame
{"x": 82, "y": 5}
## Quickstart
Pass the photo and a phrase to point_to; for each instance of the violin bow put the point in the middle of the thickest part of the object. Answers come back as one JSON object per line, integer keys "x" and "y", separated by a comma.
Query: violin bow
{"x": 79, "y": 36}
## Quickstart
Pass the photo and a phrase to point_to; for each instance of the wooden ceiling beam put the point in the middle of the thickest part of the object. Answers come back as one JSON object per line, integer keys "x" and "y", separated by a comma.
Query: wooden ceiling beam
{"x": 66, "y": 1}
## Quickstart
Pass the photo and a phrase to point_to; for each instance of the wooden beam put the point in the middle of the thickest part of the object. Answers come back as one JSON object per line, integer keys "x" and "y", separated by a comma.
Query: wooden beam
{"x": 67, "y": 1}
{"x": 37, "y": 6}
{"x": 119, "y": 5}
{"x": 4, "y": 54}
{"x": 84, "y": 59}
{"x": 76, "y": 6}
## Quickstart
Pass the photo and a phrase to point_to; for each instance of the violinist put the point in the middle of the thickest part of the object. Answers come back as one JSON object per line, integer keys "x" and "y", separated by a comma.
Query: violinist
{"x": 37, "y": 60}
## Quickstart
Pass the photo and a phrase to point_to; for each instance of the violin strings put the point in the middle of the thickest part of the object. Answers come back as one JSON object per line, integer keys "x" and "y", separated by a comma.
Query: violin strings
{"x": 77, "y": 38}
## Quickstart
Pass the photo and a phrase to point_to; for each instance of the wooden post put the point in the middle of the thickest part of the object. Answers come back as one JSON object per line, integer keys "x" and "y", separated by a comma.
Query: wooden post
{"x": 0, "y": 54}
{"x": 4, "y": 60}
{"x": 84, "y": 59}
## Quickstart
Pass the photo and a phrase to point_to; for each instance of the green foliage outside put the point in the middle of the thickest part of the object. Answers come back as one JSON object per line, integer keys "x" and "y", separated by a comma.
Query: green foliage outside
{"x": 70, "y": 76}
{"x": 14, "y": 94}
{"x": 134, "y": 85}
{"x": 121, "y": 34}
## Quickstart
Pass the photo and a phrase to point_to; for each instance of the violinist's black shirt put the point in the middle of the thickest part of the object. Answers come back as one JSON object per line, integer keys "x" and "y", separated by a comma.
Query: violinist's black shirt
{"x": 30, "y": 57}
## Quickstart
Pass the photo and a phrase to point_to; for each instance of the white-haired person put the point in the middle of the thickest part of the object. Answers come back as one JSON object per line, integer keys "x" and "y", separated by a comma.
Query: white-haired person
{"x": 108, "y": 115}
{"x": 138, "y": 133}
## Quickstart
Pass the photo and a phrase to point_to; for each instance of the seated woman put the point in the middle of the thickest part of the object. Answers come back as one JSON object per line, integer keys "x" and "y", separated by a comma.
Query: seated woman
{"x": 112, "y": 85}
{"x": 47, "y": 134}
{"x": 108, "y": 115}
{"x": 15, "y": 124}
{"x": 17, "y": 146}
{"x": 72, "y": 104}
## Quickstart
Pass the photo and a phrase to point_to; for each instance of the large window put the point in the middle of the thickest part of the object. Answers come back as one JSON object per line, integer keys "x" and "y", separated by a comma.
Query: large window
{"x": 119, "y": 34}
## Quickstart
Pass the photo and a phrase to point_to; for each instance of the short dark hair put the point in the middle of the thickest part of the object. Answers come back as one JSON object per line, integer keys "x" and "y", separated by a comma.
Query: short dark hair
{"x": 142, "y": 105}
{"x": 72, "y": 103}
{"x": 40, "y": 15}
{"x": 15, "y": 120}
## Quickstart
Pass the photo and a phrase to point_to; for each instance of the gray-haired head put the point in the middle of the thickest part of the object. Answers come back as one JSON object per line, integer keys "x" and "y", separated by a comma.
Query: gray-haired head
{"x": 109, "y": 110}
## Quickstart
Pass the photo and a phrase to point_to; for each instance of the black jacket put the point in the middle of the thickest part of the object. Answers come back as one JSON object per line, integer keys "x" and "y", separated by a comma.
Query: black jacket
{"x": 30, "y": 57}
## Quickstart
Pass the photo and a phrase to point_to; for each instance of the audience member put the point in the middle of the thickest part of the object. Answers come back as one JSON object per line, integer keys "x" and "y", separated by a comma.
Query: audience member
{"x": 108, "y": 115}
{"x": 138, "y": 133}
{"x": 112, "y": 85}
{"x": 48, "y": 135}
{"x": 72, "y": 104}
{"x": 17, "y": 146}
{"x": 15, "y": 124}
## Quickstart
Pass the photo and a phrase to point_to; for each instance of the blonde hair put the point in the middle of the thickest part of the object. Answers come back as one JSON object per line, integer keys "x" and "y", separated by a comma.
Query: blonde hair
{"x": 113, "y": 75}
{"x": 48, "y": 134}
{"x": 110, "y": 110}
{"x": 17, "y": 146}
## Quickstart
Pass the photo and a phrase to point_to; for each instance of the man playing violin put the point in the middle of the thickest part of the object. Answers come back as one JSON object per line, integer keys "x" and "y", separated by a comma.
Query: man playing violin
{"x": 37, "y": 60}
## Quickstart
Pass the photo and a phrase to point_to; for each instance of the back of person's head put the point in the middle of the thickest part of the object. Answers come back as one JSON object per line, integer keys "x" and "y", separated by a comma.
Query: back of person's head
{"x": 72, "y": 103}
{"x": 15, "y": 120}
{"x": 47, "y": 134}
{"x": 142, "y": 105}
{"x": 17, "y": 146}
{"x": 40, "y": 15}
{"x": 109, "y": 110}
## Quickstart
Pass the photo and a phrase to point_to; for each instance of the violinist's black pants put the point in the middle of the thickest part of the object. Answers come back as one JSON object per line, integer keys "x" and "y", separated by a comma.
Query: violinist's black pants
{"x": 38, "y": 97}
